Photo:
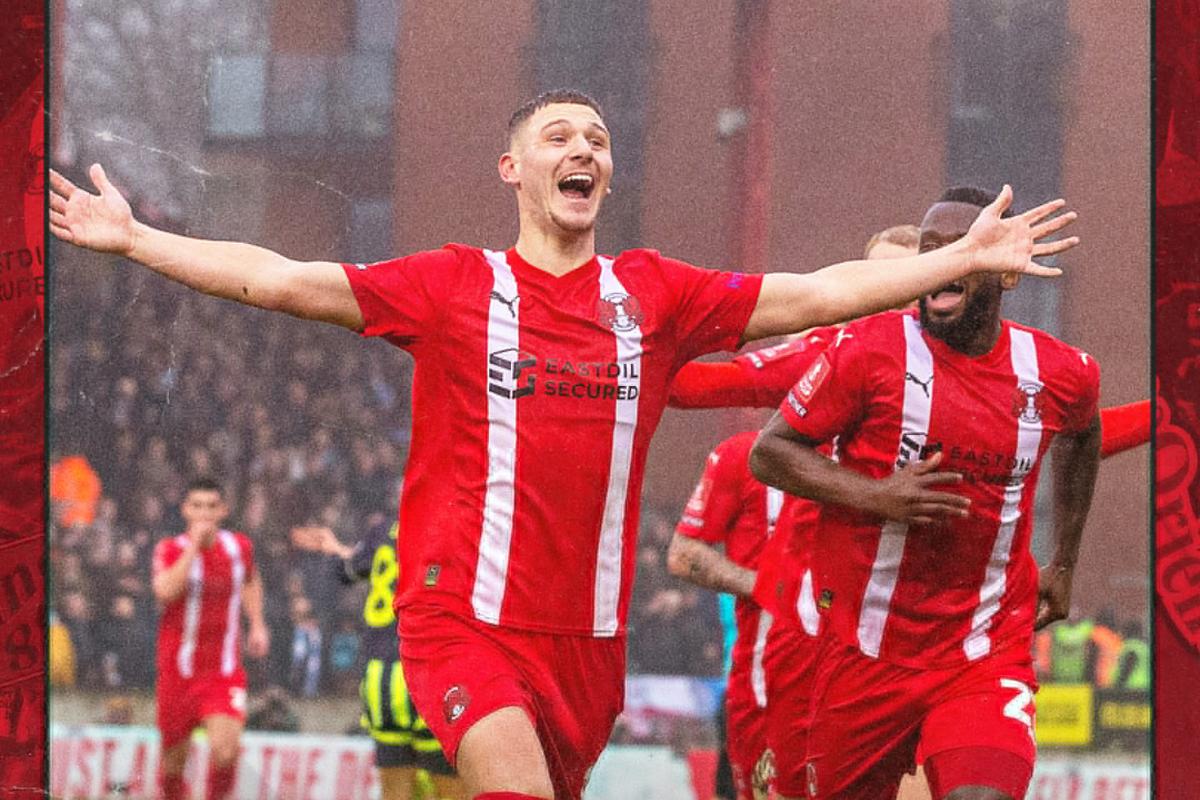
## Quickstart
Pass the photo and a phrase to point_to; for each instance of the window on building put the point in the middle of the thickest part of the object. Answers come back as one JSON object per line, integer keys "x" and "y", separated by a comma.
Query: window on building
{"x": 298, "y": 102}
{"x": 236, "y": 96}
{"x": 362, "y": 94}
{"x": 376, "y": 23}
{"x": 370, "y": 229}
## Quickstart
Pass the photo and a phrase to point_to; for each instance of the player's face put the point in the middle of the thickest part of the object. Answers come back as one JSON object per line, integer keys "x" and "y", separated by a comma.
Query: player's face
{"x": 561, "y": 165}
{"x": 203, "y": 510}
{"x": 958, "y": 310}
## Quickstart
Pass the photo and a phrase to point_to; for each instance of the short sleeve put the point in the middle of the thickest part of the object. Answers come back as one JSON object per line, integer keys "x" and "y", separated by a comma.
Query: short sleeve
{"x": 773, "y": 370}
{"x": 247, "y": 553}
{"x": 400, "y": 298}
{"x": 1086, "y": 403}
{"x": 830, "y": 396}
{"x": 166, "y": 553}
{"x": 713, "y": 307}
{"x": 717, "y": 499}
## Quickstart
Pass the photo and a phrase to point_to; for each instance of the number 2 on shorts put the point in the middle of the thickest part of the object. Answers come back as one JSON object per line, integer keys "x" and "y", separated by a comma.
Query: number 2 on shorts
{"x": 1017, "y": 707}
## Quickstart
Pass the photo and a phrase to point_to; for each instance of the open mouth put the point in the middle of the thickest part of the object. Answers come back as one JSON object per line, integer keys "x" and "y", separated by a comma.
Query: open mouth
{"x": 945, "y": 298}
{"x": 577, "y": 186}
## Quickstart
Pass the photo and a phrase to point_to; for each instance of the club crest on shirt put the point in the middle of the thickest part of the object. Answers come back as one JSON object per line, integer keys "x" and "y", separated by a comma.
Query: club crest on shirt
{"x": 1028, "y": 403}
{"x": 455, "y": 702}
{"x": 621, "y": 312}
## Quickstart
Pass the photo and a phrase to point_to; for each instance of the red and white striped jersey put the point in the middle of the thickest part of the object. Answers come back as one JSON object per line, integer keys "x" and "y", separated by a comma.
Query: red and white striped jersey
{"x": 730, "y": 507}
{"x": 784, "y": 582}
{"x": 952, "y": 592}
{"x": 534, "y": 401}
{"x": 200, "y": 631}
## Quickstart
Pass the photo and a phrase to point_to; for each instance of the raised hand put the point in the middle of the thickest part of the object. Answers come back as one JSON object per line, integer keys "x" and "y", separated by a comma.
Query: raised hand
{"x": 906, "y": 496}
{"x": 1010, "y": 245}
{"x": 101, "y": 222}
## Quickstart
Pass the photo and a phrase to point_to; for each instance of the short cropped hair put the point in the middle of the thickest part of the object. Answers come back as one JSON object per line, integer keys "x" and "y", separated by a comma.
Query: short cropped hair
{"x": 530, "y": 107}
{"x": 971, "y": 195}
{"x": 900, "y": 235}
{"x": 204, "y": 484}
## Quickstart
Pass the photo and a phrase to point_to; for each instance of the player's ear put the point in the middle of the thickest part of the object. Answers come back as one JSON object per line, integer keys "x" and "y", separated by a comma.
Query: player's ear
{"x": 510, "y": 170}
{"x": 1009, "y": 280}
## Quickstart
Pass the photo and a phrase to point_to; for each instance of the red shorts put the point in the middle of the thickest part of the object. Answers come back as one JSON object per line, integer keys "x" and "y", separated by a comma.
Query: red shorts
{"x": 790, "y": 663}
{"x": 183, "y": 703}
{"x": 571, "y": 687}
{"x": 868, "y": 717}
{"x": 745, "y": 735}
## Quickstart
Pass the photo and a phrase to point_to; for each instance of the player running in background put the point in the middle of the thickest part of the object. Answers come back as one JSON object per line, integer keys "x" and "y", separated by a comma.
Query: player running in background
{"x": 406, "y": 753}
{"x": 774, "y": 722}
{"x": 761, "y": 378}
{"x": 730, "y": 509}
{"x": 930, "y": 590}
{"x": 204, "y": 579}
{"x": 541, "y": 374}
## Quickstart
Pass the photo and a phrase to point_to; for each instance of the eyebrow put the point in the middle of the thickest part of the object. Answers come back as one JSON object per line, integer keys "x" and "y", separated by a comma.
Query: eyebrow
{"x": 563, "y": 121}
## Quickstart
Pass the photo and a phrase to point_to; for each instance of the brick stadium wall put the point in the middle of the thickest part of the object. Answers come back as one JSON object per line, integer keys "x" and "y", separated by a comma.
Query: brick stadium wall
{"x": 1106, "y": 297}
{"x": 865, "y": 94}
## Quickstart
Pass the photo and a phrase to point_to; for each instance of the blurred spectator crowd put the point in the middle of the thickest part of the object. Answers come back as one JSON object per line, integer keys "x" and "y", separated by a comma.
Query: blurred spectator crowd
{"x": 302, "y": 425}
{"x": 1105, "y": 652}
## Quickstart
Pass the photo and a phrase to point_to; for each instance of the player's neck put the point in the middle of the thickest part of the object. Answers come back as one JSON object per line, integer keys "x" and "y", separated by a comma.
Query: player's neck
{"x": 557, "y": 252}
{"x": 974, "y": 341}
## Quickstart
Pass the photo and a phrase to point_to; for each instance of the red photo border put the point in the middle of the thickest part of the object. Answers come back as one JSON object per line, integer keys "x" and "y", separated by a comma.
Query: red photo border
{"x": 1177, "y": 359}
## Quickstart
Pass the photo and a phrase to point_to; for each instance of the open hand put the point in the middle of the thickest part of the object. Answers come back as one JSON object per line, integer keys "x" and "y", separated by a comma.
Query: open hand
{"x": 1010, "y": 245}
{"x": 101, "y": 222}
{"x": 906, "y": 496}
{"x": 319, "y": 539}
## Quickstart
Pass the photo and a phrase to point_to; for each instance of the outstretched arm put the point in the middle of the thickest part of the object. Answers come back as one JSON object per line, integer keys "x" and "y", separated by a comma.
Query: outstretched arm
{"x": 317, "y": 290}
{"x": 782, "y": 457}
{"x": 788, "y": 303}
{"x": 1124, "y": 427}
{"x": 1075, "y": 463}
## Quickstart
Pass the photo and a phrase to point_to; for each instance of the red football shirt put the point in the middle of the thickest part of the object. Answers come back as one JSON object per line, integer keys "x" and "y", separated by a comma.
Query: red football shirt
{"x": 534, "y": 401}
{"x": 784, "y": 583}
{"x": 757, "y": 379}
{"x": 731, "y": 508}
{"x": 957, "y": 590}
{"x": 200, "y": 631}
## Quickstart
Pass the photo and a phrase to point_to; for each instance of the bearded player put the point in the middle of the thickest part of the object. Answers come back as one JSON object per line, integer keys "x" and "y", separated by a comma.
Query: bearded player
{"x": 764, "y": 533}
{"x": 205, "y": 580}
{"x": 930, "y": 592}
{"x": 541, "y": 373}
{"x": 783, "y": 580}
